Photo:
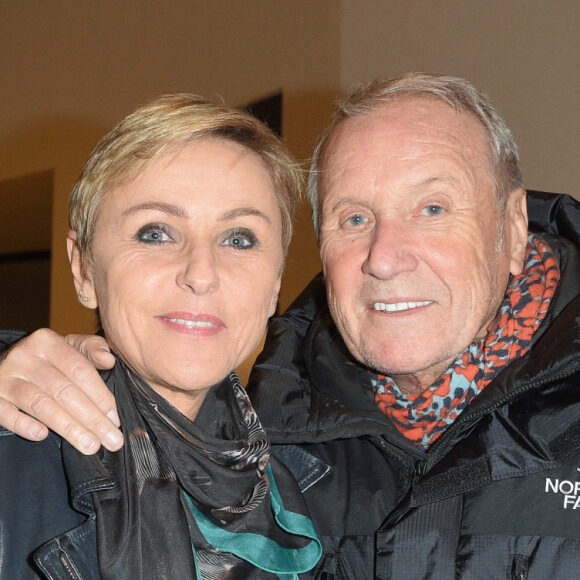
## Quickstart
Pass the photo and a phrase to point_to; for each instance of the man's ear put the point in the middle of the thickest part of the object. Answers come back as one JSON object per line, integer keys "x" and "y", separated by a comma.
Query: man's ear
{"x": 275, "y": 294}
{"x": 82, "y": 273}
{"x": 517, "y": 225}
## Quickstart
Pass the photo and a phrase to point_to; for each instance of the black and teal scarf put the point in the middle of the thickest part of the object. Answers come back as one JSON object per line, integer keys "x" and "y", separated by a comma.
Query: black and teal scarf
{"x": 198, "y": 499}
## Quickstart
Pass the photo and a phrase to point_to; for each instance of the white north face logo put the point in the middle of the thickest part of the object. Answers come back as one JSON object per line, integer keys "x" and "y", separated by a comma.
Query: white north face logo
{"x": 570, "y": 490}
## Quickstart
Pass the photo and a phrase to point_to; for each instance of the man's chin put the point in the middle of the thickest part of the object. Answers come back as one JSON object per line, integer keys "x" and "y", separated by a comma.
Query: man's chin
{"x": 418, "y": 371}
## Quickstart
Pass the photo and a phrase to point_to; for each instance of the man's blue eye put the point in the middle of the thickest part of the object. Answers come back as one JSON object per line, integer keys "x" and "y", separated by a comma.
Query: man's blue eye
{"x": 432, "y": 210}
{"x": 356, "y": 220}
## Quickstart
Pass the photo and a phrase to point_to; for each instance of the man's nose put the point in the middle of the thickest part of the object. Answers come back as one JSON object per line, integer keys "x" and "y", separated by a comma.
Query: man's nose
{"x": 198, "y": 271}
{"x": 391, "y": 251}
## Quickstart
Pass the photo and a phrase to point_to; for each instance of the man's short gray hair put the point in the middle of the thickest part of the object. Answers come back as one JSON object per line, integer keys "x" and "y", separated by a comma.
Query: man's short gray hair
{"x": 458, "y": 93}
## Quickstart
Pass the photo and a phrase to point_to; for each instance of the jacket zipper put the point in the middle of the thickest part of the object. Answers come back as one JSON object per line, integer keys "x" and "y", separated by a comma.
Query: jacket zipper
{"x": 407, "y": 465}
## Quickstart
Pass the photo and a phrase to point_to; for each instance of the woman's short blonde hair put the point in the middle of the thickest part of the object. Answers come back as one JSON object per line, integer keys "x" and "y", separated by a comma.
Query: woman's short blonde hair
{"x": 166, "y": 124}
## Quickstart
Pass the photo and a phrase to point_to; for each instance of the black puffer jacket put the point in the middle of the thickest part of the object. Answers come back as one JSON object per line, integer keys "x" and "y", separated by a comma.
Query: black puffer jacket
{"x": 497, "y": 496}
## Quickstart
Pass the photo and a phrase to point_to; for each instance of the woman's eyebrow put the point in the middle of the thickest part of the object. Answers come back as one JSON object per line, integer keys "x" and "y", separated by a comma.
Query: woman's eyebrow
{"x": 181, "y": 212}
{"x": 167, "y": 208}
{"x": 243, "y": 211}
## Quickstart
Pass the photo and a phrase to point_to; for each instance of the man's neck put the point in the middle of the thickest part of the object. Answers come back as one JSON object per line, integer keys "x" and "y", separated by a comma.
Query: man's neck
{"x": 416, "y": 383}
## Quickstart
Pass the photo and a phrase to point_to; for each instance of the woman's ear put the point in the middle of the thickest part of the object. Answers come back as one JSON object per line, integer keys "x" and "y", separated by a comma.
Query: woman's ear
{"x": 517, "y": 224}
{"x": 82, "y": 273}
{"x": 275, "y": 294}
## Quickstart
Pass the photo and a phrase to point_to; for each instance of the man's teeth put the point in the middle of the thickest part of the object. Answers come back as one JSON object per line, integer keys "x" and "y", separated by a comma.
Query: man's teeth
{"x": 192, "y": 323}
{"x": 398, "y": 306}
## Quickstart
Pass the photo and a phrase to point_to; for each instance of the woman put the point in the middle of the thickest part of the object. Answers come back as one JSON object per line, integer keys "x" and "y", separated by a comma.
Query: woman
{"x": 180, "y": 223}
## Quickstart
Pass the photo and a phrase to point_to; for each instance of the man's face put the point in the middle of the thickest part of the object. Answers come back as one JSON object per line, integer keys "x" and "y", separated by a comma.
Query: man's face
{"x": 415, "y": 253}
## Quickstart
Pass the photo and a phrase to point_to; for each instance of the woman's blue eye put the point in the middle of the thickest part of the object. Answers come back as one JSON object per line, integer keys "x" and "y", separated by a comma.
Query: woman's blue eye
{"x": 432, "y": 210}
{"x": 241, "y": 239}
{"x": 152, "y": 235}
{"x": 356, "y": 220}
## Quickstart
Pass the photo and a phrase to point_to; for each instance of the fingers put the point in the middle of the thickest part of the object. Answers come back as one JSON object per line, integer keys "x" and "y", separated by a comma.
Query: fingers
{"x": 94, "y": 348}
{"x": 29, "y": 428}
{"x": 49, "y": 380}
{"x": 20, "y": 423}
{"x": 82, "y": 371}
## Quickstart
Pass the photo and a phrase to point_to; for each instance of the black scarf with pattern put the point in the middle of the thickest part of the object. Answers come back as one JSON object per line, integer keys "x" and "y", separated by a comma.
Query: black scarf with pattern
{"x": 171, "y": 469}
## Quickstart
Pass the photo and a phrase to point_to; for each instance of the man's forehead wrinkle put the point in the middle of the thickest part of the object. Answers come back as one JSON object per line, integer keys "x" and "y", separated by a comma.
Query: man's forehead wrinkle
{"x": 443, "y": 178}
{"x": 408, "y": 145}
{"x": 468, "y": 155}
{"x": 330, "y": 175}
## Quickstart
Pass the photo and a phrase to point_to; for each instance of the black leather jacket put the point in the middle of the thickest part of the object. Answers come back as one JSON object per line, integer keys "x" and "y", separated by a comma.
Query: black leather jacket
{"x": 497, "y": 496}
{"x": 60, "y": 538}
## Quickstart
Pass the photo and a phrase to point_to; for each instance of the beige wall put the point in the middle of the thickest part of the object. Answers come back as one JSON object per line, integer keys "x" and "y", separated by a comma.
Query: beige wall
{"x": 524, "y": 53}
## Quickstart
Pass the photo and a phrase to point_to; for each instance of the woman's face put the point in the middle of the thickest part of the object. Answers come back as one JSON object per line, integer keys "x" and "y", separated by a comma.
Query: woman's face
{"x": 186, "y": 267}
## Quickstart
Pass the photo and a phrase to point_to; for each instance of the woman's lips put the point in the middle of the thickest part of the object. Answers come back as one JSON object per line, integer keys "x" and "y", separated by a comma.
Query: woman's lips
{"x": 193, "y": 324}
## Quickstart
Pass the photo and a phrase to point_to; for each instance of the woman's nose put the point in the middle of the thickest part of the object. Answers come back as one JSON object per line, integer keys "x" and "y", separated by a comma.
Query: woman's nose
{"x": 199, "y": 271}
{"x": 390, "y": 252}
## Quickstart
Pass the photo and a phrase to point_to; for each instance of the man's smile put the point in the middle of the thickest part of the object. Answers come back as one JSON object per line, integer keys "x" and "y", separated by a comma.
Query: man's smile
{"x": 399, "y": 306}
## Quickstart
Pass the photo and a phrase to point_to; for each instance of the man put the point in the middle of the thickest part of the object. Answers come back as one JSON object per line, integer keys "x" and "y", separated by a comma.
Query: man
{"x": 424, "y": 391}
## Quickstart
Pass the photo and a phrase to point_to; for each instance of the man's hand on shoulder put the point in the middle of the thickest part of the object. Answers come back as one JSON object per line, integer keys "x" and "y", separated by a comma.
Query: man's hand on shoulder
{"x": 50, "y": 381}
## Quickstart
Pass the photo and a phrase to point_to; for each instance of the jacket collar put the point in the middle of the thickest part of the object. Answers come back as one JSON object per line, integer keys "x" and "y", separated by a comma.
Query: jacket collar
{"x": 85, "y": 473}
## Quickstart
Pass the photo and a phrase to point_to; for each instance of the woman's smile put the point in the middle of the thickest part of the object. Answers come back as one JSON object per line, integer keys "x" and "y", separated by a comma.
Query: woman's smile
{"x": 196, "y": 325}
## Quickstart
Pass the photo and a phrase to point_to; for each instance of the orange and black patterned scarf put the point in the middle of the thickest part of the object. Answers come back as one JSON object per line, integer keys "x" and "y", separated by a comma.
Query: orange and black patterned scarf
{"x": 423, "y": 417}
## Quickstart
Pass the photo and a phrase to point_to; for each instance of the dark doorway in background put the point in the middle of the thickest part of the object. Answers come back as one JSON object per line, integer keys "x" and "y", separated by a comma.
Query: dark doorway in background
{"x": 269, "y": 111}
{"x": 25, "y": 242}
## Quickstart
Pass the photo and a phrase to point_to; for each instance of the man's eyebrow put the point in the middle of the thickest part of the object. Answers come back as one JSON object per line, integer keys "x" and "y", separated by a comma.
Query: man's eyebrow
{"x": 242, "y": 212}
{"x": 348, "y": 200}
{"x": 167, "y": 208}
{"x": 444, "y": 178}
